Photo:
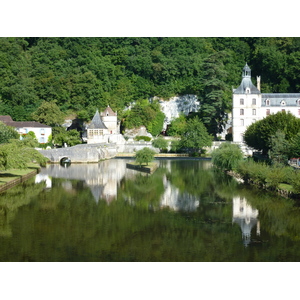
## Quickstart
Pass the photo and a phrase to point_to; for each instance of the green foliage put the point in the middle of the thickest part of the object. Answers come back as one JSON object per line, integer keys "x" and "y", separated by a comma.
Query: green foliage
{"x": 145, "y": 114}
{"x": 279, "y": 148}
{"x": 62, "y": 136}
{"x": 258, "y": 134}
{"x": 227, "y": 156}
{"x": 195, "y": 135}
{"x": 160, "y": 143}
{"x": 144, "y": 156}
{"x": 216, "y": 99}
{"x": 49, "y": 113}
{"x": 7, "y": 133}
{"x": 265, "y": 175}
{"x": 143, "y": 138}
{"x": 177, "y": 126}
{"x": 18, "y": 153}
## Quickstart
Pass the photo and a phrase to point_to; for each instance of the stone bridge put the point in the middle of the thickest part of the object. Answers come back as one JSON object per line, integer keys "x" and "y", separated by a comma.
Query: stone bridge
{"x": 81, "y": 153}
{"x": 89, "y": 153}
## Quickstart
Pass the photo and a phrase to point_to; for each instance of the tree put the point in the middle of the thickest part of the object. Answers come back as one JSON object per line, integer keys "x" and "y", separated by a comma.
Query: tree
{"x": 62, "y": 136}
{"x": 144, "y": 155}
{"x": 258, "y": 134}
{"x": 7, "y": 133}
{"x": 227, "y": 156}
{"x": 18, "y": 153}
{"x": 160, "y": 143}
{"x": 215, "y": 99}
{"x": 49, "y": 113}
{"x": 195, "y": 135}
{"x": 279, "y": 148}
{"x": 177, "y": 126}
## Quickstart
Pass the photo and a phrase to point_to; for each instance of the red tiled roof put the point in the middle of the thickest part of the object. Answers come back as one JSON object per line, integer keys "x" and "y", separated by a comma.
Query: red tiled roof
{"x": 108, "y": 112}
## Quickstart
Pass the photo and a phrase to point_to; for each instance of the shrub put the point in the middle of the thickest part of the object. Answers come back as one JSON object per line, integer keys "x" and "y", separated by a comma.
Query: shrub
{"x": 144, "y": 155}
{"x": 143, "y": 137}
{"x": 227, "y": 156}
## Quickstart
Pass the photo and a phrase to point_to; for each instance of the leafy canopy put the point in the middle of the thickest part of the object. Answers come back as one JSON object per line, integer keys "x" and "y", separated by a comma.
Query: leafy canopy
{"x": 258, "y": 134}
{"x": 195, "y": 135}
{"x": 7, "y": 133}
{"x": 49, "y": 113}
{"x": 227, "y": 156}
{"x": 144, "y": 156}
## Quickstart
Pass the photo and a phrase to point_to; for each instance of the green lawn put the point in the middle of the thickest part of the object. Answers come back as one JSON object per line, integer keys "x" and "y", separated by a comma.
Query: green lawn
{"x": 9, "y": 175}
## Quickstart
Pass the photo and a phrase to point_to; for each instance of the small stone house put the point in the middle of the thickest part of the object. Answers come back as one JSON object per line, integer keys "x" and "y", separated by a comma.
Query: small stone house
{"x": 104, "y": 128}
{"x": 41, "y": 131}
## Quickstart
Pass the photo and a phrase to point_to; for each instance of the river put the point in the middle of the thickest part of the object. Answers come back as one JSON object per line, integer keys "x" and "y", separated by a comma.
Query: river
{"x": 185, "y": 211}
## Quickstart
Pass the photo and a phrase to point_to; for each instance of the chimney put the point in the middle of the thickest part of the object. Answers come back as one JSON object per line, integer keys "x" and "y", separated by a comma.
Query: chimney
{"x": 258, "y": 82}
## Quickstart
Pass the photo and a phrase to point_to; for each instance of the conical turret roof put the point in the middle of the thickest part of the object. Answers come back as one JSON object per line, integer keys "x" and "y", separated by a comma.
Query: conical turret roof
{"x": 97, "y": 122}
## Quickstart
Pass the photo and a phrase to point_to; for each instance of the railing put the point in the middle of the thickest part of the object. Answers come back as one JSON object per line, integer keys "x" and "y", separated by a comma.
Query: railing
{"x": 16, "y": 181}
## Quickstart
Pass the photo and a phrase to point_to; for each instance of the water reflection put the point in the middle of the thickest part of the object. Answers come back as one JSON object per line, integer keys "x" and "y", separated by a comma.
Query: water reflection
{"x": 246, "y": 217}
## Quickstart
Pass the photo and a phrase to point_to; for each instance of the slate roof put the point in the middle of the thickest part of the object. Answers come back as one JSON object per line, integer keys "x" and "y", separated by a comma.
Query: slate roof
{"x": 96, "y": 122}
{"x": 276, "y": 99}
{"x": 7, "y": 120}
{"x": 246, "y": 83}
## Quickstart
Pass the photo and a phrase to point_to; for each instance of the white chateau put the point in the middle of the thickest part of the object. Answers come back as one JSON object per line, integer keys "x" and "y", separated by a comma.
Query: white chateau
{"x": 250, "y": 105}
{"x": 104, "y": 128}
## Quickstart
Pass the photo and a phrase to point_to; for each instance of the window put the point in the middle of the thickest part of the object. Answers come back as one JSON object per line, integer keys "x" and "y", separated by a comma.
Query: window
{"x": 268, "y": 112}
{"x": 241, "y": 101}
{"x": 282, "y": 103}
{"x": 241, "y": 112}
{"x": 253, "y": 101}
{"x": 283, "y": 110}
{"x": 298, "y": 112}
{"x": 247, "y": 90}
{"x": 267, "y": 102}
{"x": 242, "y": 122}
{"x": 253, "y": 112}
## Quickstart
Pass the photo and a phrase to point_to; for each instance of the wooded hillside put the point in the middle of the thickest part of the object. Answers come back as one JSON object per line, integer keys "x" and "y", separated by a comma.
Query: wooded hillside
{"x": 83, "y": 74}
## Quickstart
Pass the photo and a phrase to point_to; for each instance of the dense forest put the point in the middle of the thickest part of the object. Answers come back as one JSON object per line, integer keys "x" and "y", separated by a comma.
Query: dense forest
{"x": 82, "y": 74}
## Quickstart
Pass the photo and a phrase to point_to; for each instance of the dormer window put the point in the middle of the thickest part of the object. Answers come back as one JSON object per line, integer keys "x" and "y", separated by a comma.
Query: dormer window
{"x": 282, "y": 103}
{"x": 298, "y": 102}
{"x": 267, "y": 102}
{"x": 247, "y": 90}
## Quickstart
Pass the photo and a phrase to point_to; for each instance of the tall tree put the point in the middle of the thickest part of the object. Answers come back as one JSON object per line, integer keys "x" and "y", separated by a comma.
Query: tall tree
{"x": 195, "y": 135}
{"x": 49, "y": 113}
{"x": 214, "y": 99}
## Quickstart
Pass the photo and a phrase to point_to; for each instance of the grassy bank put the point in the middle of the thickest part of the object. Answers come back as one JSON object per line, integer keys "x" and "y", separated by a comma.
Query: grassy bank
{"x": 12, "y": 177}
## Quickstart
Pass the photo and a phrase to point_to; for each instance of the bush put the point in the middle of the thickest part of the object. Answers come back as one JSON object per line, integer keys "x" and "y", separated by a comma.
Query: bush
{"x": 227, "y": 156}
{"x": 143, "y": 137}
{"x": 144, "y": 155}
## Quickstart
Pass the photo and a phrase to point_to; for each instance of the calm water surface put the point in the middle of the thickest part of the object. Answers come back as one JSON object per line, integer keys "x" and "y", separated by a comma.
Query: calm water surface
{"x": 185, "y": 211}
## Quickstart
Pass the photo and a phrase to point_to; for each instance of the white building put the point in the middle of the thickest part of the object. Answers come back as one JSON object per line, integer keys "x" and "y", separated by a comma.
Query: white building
{"x": 250, "y": 105}
{"x": 41, "y": 131}
{"x": 104, "y": 128}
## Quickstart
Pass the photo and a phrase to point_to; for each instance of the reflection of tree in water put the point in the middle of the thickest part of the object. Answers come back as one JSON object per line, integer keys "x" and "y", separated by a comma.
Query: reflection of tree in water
{"x": 13, "y": 199}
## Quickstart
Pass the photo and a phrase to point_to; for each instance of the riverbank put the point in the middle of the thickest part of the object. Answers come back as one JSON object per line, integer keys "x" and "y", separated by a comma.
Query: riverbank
{"x": 12, "y": 177}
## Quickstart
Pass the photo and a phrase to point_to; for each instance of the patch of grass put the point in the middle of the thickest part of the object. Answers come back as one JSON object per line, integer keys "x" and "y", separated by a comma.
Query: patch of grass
{"x": 11, "y": 174}
{"x": 286, "y": 187}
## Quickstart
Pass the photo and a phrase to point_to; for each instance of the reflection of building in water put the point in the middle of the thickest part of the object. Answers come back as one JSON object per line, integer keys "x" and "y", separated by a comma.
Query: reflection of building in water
{"x": 246, "y": 217}
{"x": 41, "y": 177}
{"x": 102, "y": 178}
{"x": 175, "y": 200}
